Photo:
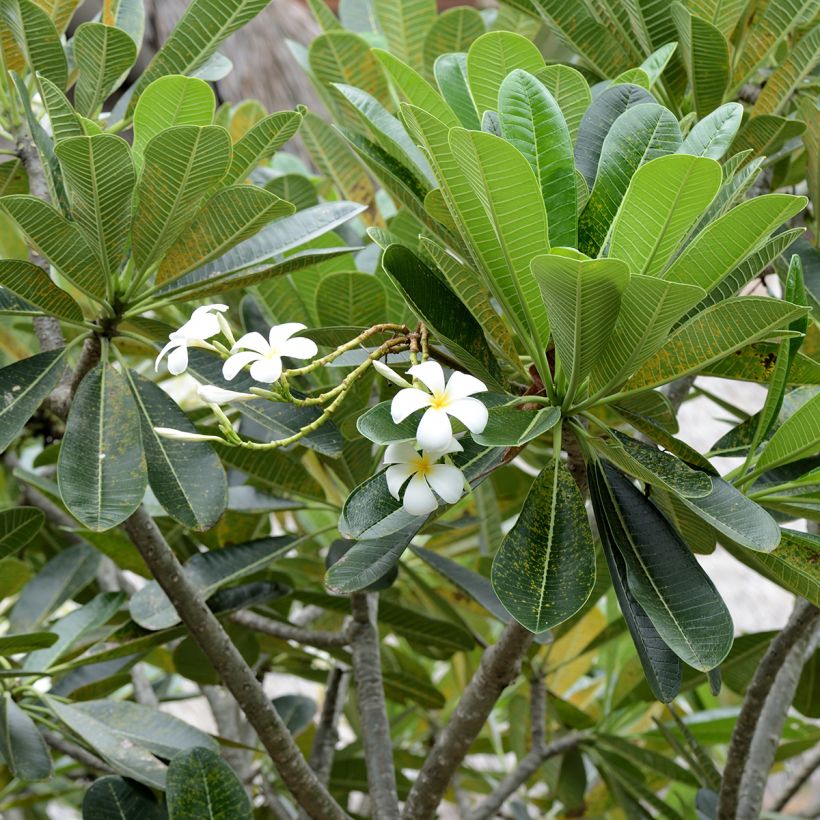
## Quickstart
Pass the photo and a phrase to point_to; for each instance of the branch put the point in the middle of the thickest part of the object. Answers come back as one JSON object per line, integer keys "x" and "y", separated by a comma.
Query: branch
{"x": 499, "y": 666}
{"x": 678, "y": 391}
{"x": 528, "y": 766}
{"x": 367, "y": 670}
{"x": 808, "y": 767}
{"x": 235, "y": 673}
{"x": 327, "y": 732}
{"x": 289, "y": 632}
{"x": 77, "y": 753}
{"x": 803, "y": 620}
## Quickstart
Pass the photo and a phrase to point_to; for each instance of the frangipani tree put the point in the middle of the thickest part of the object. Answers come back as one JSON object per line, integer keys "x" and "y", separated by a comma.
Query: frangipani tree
{"x": 412, "y": 371}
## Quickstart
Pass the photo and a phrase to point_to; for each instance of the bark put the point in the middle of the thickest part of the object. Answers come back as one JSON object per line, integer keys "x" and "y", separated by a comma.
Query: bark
{"x": 807, "y": 768}
{"x": 289, "y": 632}
{"x": 367, "y": 670}
{"x": 327, "y": 733}
{"x": 77, "y": 753}
{"x": 498, "y": 668}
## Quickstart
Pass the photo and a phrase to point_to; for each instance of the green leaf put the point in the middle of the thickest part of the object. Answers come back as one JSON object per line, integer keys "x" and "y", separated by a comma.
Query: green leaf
{"x": 62, "y": 117}
{"x": 26, "y": 642}
{"x": 57, "y": 582}
{"x": 664, "y": 577}
{"x": 446, "y": 316}
{"x": 168, "y": 102}
{"x": 198, "y": 34}
{"x": 296, "y": 711}
{"x": 350, "y": 299}
{"x": 724, "y": 243}
{"x": 765, "y": 134}
{"x": 570, "y": 90}
{"x": 653, "y": 66}
{"x": 23, "y": 748}
{"x": 712, "y": 335}
{"x": 18, "y": 526}
{"x": 491, "y": 58}
{"x": 582, "y": 298}
{"x": 405, "y": 25}
{"x": 641, "y": 134}
{"x": 202, "y": 785}
{"x": 181, "y": 165}
{"x": 23, "y": 386}
{"x": 31, "y": 283}
{"x": 598, "y": 119}
{"x": 514, "y": 427}
{"x": 58, "y": 240}
{"x": 104, "y": 54}
{"x": 454, "y": 30}
{"x": 544, "y": 569}
{"x": 38, "y": 39}
{"x": 261, "y": 142}
{"x": 230, "y": 216}
{"x": 451, "y": 77}
{"x": 736, "y": 517}
{"x": 187, "y": 478}
{"x": 101, "y": 470}
{"x": 99, "y": 177}
{"x": 706, "y": 57}
{"x": 365, "y": 563}
{"x": 712, "y": 136}
{"x": 796, "y": 438}
{"x": 114, "y": 798}
{"x": 532, "y": 121}
{"x": 663, "y": 200}
{"x": 207, "y": 571}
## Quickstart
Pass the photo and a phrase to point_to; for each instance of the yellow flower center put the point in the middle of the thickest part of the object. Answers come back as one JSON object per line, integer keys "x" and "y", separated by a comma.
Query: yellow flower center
{"x": 440, "y": 401}
{"x": 423, "y": 465}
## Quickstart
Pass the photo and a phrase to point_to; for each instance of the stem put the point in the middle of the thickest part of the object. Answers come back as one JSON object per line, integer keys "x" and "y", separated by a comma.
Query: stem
{"x": 235, "y": 673}
{"x": 327, "y": 733}
{"x": 499, "y": 666}
{"x": 289, "y": 632}
{"x": 807, "y": 768}
{"x": 367, "y": 670}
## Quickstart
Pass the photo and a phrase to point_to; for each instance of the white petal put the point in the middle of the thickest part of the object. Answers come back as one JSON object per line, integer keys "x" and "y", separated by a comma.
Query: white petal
{"x": 407, "y": 401}
{"x": 430, "y": 374}
{"x": 182, "y": 435}
{"x": 208, "y": 308}
{"x": 298, "y": 348}
{"x": 396, "y": 476}
{"x": 453, "y": 446}
{"x": 388, "y": 373}
{"x": 400, "y": 453}
{"x": 267, "y": 370}
{"x": 170, "y": 346}
{"x": 178, "y": 360}
{"x": 200, "y": 327}
{"x": 418, "y": 497}
{"x": 252, "y": 341}
{"x": 447, "y": 481}
{"x": 460, "y": 385}
{"x": 280, "y": 333}
{"x": 235, "y": 363}
{"x": 470, "y": 412}
{"x": 434, "y": 431}
{"x": 218, "y": 395}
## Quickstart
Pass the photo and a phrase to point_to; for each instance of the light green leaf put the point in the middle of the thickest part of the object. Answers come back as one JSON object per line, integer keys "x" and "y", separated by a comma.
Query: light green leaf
{"x": 712, "y": 335}
{"x": 765, "y": 134}
{"x": 582, "y": 298}
{"x": 23, "y": 385}
{"x": 18, "y": 526}
{"x": 230, "y": 216}
{"x": 545, "y": 568}
{"x": 570, "y": 90}
{"x": 797, "y": 437}
{"x": 181, "y": 165}
{"x": 722, "y": 14}
{"x": 62, "y": 117}
{"x": 451, "y": 77}
{"x": 491, "y": 58}
{"x": 99, "y": 178}
{"x": 26, "y": 642}
{"x": 101, "y": 470}
{"x": 38, "y": 39}
{"x": 104, "y": 54}
{"x": 724, "y": 243}
{"x": 21, "y": 744}
{"x": 454, "y": 30}
{"x": 532, "y": 121}
{"x": 641, "y": 134}
{"x": 31, "y": 283}
{"x": 350, "y": 299}
{"x": 261, "y": 142}
{"x": 712, "y": 136}
{"x": 405, "y": 25}
{"x": 654, "y": 65}
{"x": 168, "y": 102}
{"x": 663, "y": 200}
{"x": 128, "y": 15}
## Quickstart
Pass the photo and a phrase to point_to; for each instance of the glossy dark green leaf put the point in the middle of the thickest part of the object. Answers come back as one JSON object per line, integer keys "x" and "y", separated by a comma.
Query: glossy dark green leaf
{"x": 115, "y": 798}
{"x": 101, "y": 470}
{"x": 187, "y": 478}
{"x": 545, "y": 568}
{"x": 202, "y": 785}
{"x": 296, "y": 711}
{"x": 23, "y": 385}
{"x": 23, "y": 748}
{"x": 513, "y": 426}
{"x": 18, "y": 526}
{"x": 365, "y": 563}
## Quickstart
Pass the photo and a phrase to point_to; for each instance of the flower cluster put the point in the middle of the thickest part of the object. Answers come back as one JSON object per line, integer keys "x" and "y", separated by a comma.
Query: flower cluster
{"x": 423, "y": 466}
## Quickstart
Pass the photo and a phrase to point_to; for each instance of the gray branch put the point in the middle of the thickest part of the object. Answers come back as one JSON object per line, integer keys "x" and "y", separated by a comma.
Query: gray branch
{"x": 803, "y": 621}
{"x": 235, "y": 673}
{"x": 327, "y": 732}
{"x": 289, "y": 632}
{"x": 807, "y": 768}
{"x": 499, "y": 666}
{"x": 367, "y": 670}
{"x": 77, "y": 753}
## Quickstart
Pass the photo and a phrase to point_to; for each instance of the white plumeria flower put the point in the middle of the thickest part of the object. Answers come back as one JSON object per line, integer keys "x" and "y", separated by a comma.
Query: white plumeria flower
{"x": 426, "y": 474}
{"x": 218, "y": 395}
{"x": 453, "y": 399}
{"x": 265, "y": 355}
{"x": 182, "y": 435}
{"x": 202, "y": 325}
{"x": 388, "y": 373}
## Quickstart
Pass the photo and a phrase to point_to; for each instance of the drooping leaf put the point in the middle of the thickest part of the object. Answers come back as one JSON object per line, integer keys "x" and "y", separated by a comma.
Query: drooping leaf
{"x": 21, "y": 744}
{"x": 115, "y": 798}
{"x": 101, "y": 468}
{"x": 31, "y": 283}
{"x": 104, "y": 54}
{"x": 712, "y": 135}
{"x": 545, "y": 568}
